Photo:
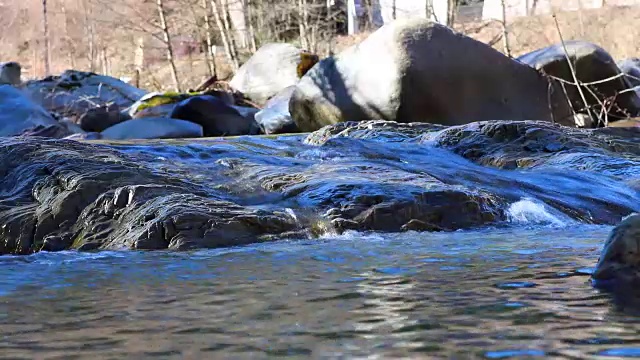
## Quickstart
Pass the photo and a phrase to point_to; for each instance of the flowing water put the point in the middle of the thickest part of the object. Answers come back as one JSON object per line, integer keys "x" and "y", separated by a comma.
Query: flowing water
{"x": 493, "y": 293}
{"x": 519, "y": 288}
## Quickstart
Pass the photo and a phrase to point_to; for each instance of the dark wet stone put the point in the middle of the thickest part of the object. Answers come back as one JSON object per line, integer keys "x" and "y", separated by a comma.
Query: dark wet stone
{"x": 620, "y": 257}
{"x": 215, "y": 117}
{"x": 101, "y": 118}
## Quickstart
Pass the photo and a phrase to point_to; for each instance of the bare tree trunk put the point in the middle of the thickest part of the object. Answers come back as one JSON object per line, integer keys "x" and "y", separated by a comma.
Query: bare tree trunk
{"x": 249, "y": 20}
{"x": 167, "y": 40}
{"x": 104, "y": 60}
{"x": 138, "y": 60}
{"x": 302, "y": 25}
{"x": 211, "y": 56}
{"x": 505, "y": 31}
{"x": 68, "y": 42}
{"x": 89, "y": 29}
{"x": 226, "y": 20}
{"x": 47, "y": 44}
{"x": 224, "y": 36}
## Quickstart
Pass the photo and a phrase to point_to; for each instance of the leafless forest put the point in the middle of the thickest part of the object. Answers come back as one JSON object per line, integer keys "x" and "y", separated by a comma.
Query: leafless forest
{"x": 176, "y": 44}
{"x": 123, "y": 37}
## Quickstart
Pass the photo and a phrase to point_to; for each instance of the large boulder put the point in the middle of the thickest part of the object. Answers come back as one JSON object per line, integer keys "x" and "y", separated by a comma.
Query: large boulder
{"x": 591, "y": 64}
{"x": 73, "y": 93}
{"x": 275, "y": 118}
{"x": 10, "y": 73}
{"x": 152, "y": 128}
{"x": 215, "y": 117}
{"x": 19, "y": 114}
{"x": 272, "y": 68}
{"x": 419, "y": 71}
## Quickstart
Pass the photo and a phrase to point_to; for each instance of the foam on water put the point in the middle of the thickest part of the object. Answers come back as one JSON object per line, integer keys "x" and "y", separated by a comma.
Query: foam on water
{"x": 528, "y": 211}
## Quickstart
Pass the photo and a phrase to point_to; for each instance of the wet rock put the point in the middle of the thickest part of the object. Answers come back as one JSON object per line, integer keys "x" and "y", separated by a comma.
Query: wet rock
{"x": 620, "y": 257}
{"x": 66, "y": 194}
{"x": 19, "y": 114}
{"x": 73, "y": 93}
{"x": 152, "y": 128}
{"x": 419, "y": 71}
{"x": 215, "y": 117}
{"x": 591, "y": 64}
{"x": 271, "y": 69}
{"x": 274, "y": 118}
{"x": 55, "y": 131}
{"x": 10, "y": 73}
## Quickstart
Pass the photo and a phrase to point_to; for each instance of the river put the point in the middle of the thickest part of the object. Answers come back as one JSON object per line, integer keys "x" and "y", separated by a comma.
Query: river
{"x": 493, "y": 293}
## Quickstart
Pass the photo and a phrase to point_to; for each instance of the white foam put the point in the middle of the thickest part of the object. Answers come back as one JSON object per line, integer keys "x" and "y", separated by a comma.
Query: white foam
{"x": 529, "y": 211}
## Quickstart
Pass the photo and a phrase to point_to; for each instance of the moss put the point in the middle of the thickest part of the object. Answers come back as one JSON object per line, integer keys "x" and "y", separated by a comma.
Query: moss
{"x": 79, "y": 240}
{"x": 169, "y": 97}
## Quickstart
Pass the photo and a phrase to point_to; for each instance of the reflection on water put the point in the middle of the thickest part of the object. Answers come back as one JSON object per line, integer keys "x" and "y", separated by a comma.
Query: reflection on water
{"x": 498, "y": 293}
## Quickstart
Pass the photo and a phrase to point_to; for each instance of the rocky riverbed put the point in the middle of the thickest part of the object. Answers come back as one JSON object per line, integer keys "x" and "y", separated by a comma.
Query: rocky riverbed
{"x": 366, "y": 176}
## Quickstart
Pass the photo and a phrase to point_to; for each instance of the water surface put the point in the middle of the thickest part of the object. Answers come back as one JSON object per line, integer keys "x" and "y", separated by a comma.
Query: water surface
{"x": 495, "y": 293}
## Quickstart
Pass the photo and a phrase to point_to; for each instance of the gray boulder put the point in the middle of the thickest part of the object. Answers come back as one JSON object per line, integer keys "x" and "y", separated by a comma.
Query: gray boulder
{"x": 591, "y": 63}
{"x": 419, "y": 71}
{"x": 10, "y": 73}
{"x": 152, "y": 128}
{"x": 275, "y": 118}
{"x": 18, "y": 113}
{"x": 272, "y": 68}
{"x": 73, "y": 93}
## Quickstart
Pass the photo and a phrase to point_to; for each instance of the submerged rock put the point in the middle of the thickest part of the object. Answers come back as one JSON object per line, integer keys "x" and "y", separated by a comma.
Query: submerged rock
{"x": 591, "y": 64}
{"x": 19, "y": 114}
{"x": 366, "y": 176}
{"x": 271, "y": 69}
{"x": 152, "y": 128}
{"x": 419, "y": 71}
{"x": 73, "y": 93}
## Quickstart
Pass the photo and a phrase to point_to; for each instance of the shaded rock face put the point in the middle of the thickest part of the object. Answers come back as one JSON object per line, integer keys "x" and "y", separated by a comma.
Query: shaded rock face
{"x": 272, "y": 68}
{"x": 10, "y": 73}
{"x": 631, "y": 68}
{"x": 419, "y": 71}
{"x": 73, "y": 93}
{"x": 366, "y": 176}
{"x": 591, "y": 64}
{"x": 215, "y": 117}
{"x": 101, "y": 117}
{"x": 19, "y": 114}
{"x": 274, "y": 118}
{"x": 152, "y": 128}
